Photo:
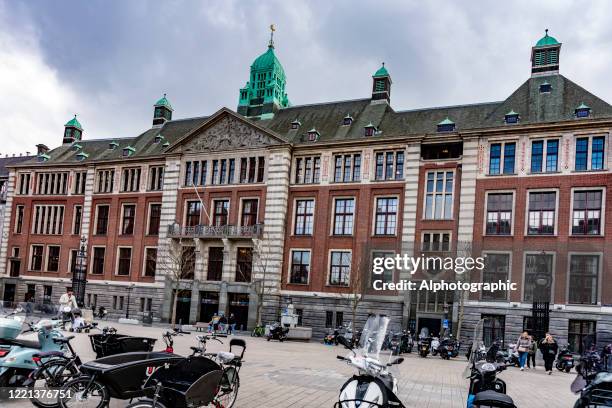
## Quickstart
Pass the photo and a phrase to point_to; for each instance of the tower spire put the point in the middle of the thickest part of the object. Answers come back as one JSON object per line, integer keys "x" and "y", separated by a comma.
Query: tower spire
{"x": 272, "y": 29}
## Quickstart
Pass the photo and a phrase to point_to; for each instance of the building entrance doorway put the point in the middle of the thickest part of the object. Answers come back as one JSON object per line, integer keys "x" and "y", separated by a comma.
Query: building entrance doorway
{"x": 209, "y": 305}
{"x": 183, "y": 306}
{"x": 239, "y": 306}
{"x": 9, "y": 292}
{"x": 433, "y": 325}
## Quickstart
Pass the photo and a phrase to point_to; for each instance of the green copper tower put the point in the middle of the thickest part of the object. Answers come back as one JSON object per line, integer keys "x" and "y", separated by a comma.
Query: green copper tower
{"x": 545, "y": 56}
{"x": 264, "y": 93}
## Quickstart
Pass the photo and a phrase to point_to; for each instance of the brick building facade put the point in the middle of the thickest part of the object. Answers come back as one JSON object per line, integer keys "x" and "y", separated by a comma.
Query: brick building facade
{"x": 279, "y": 203}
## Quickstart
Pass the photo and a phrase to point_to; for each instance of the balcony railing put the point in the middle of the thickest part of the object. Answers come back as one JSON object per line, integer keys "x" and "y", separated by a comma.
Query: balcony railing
{"x": 222, "y": 231}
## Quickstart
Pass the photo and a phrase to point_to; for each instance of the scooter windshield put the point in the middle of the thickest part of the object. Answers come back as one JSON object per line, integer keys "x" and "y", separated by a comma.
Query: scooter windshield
{"x": 477, "y": 350}
{"x": 373, "y": 335}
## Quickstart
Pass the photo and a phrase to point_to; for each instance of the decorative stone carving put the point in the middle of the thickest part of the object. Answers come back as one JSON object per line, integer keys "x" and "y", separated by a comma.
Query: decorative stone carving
{"x": 229, "y": 133}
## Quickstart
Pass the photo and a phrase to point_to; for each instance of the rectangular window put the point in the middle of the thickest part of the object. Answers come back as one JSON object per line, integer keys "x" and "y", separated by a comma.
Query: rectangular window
{"x": 221, "y": 212}
{"x": 48, "y": 219}
{"x": 502, "y": 158}
{"x": 244, "y": 264}
{"x": 582, "y": 153}
{"x": 494, "y": 328}
{"x": 195, "y": 173}
{"x": 105, "y": 180}
{"x": 231, "y": 171}
{"x": 127, "y": 224}
{"x": 97, "y": 267}
{"x": 130, "y": 179}
{"x": 439, "y": 195}
{"x": 578, "y": 331}
{"x": 192, "y": 218}
{"x": 584, "y": 279}
{"x": 387, "y": 275}
{"x": 538, "y": 277}
{"x": 586, "y": 215}
{"x": 389, "y": 165}
{"x": 497, "y": 268}
{"x": 343, "y": 216}
{"x": 308, "y": 170}
{"x": 436, "y": 242}
{"x": 47, "y": 290}
{"x": 552, "y": 155}
{"x": 340, "y": 268}
{"x": 252, "y": 168}
{"x": 261, "y": 168}
{"x": 329, "y": 319}
{"x": 24, "y": 184}
{"x": 36, "y": 261}
{"x": 188, "y": 262}
{"x": 249, "y": 212}
{"x": 79, "y": 182}
{"x": 386, "y": 216}
{"x": 223, "y": 173}
{"x": 339, "y": 319}
{"x": 243, "y": 169}
{"x": 74, "y": 258}
{"x": 347, "y": 168}
{"x": 53, "y": 255}
{"x": 542, "y": 206}
{"x": 19, "y": 219}
{"x": 154, "y": 219}
{"x": 495, "y": 159}
{"x": 509, "y": 153}
{"x": 597, "y": 153}
{"x": 544, "y": 159}
{"x": 156, "y": 178}
{"x": 215, "y": 264}
{"x": 78, "y": 217}
{"x": 499, "y": 214}
{"x": 150, "y": 261}
{"x": 537, "y": 156}
{"x": 102, "y": 212}
{"x": 304, "y": 213}
{"x": 52, "y": 183}
{"x": 300, "y": 267}
{"x": 124, "y": 262}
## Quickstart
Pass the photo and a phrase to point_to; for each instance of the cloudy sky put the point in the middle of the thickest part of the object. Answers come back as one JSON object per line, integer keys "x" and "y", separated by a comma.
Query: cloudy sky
{"x": 109, "y": 61}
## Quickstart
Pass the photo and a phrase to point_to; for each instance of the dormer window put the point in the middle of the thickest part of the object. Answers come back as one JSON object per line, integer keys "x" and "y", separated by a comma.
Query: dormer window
{"x": 446, "y": 125}
{"x": 158, "y": 139}
{"x": 128, "y": 151}
{"x": 313, "y": 135}
{"x": 113, "y": 145}
{"x": 166, "y": 144}
{"x": 582, "y": 111}
{"x": 76, "y": 147}
{"x": 545, "y": 87}
{"x": 82, "y": 156}
{"x": 370, "y": 130}
{"x": 43, "y": 157}
{"x": 511, "y": 117}
{"x": 348, "y": 119}
{"x": 295, "y": 124}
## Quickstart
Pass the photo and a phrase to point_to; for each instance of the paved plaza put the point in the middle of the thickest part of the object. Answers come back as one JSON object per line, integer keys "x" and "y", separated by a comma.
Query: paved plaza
{"x": 292, "y": 374}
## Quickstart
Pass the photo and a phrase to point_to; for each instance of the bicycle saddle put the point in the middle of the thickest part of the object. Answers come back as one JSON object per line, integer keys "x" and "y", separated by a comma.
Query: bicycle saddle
{"x": 48, "y": 354}
{"x": 225, "y": 357}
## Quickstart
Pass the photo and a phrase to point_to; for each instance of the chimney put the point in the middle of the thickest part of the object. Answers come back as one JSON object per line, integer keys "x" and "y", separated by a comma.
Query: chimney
{"x": 41, "y": 149}
{"x": 27, "y": 153}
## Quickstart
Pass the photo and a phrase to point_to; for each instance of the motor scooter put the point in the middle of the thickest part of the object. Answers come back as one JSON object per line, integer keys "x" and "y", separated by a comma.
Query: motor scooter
{"x": 565, "y": 360}
{"x": 277, "y": 332}
{"x": 435, "y": 345}
{"x": 16, "y": 354}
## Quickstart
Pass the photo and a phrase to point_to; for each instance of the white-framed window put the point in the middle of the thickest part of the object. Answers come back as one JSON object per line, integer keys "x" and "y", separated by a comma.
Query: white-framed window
{"x": 347, "y": 167}
{"x": 249, "y": 211}
{"x": 385, "y": 216}
{"x": 584, "y": 278}
{"x": 439, "y": 195}
{"x": 344, "y": 213}
{"x": 52, "y": 183}
{"x": 53, "y": 258}
{"x": 304, "y": 216}
{"x": 36, "y": 257}
{"x": 196, "y": 173}
{"x": 150, "y": 262}
{"x": 502, "y": 157}
{"x": 436, "y": 241}
{"x": 19, "y": 217}
{"x": 590, "y": 153}
{"x": 154, "y": 219}
{"x": 389, "y": 165}
{"x": 98, "y": 254}
{"x": 538, "y": 276}
{"x": 130, "y": 179}
{"x": 23, "y": 183}
{"x": 48, "y": 219}
{"x": 339, "y": 267}
{"x": 105, "y": 179}
{"x": 307, "y": 170}
{"x": 77, "y": 219}
{"x": 80, "y": 178}
{"x": 544, "y": 155}
{"x": 299, "y": 271}
{"x": 497, "y": 268}
{"x": 156, "y": 178}
{"x": 387, "y": 275}
{"x": 498, "y": 212}
{"x": 220, "y": 215}
{"x": 124, "y": 261}
{"x": 588, "y": 210}
{"x": 252, "y": 169}
{"x": 102, "y": 214}
{"x": 542, "y": 212}
{"x": 128, "y": 218}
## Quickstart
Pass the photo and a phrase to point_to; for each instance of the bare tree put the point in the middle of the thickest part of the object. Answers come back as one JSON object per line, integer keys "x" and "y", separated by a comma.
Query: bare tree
{"x": 359, "y": 282}
{"x": 177, "y": 263}
{"x": 464, "y": 249}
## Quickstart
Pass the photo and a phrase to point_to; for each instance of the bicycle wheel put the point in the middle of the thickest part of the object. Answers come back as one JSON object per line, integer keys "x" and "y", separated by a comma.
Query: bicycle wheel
{"x": 83, "y": 393}
{"x": 53, "y": 374}
{"x": 228, "y": 389}
{"x": 145, "y": 403}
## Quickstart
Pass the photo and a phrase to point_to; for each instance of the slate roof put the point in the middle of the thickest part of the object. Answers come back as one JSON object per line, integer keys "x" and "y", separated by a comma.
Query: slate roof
{"x": 327, "y": 118}
{"x": 6, "y": 162}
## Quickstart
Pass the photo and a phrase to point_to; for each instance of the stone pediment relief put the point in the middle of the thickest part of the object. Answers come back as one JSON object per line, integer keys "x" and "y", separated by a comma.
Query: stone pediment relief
{"x": 228, "y": 133}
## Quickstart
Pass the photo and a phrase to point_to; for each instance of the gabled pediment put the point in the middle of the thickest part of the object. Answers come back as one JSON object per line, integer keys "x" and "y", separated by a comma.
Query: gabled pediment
{"x": 226, "y": 130}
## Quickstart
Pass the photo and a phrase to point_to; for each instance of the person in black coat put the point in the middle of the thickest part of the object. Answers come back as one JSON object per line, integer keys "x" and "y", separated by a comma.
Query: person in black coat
{"x": 549, "y": 349}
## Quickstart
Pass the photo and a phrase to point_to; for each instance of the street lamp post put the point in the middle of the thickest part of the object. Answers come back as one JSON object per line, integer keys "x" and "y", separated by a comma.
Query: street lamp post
{"x": 79, "y": 276}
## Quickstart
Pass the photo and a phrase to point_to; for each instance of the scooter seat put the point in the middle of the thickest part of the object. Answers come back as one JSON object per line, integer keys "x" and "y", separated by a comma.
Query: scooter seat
{"x": 23, "y": 343}
{"x": 492, "y": 397}
{"x": 49, "y": 354}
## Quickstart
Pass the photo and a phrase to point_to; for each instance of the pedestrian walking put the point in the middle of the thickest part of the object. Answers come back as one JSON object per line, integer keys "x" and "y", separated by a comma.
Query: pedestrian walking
{"x": 531, "y": 355}
{"x": 231, "y": 324}
{"x": 549, "y": 349}
{"x": 523, "y": 345}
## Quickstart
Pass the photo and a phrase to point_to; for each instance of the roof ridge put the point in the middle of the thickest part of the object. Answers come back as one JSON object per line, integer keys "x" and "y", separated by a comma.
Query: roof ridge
{"x": 325, "y": 103}
{"x": 450, "y": 106}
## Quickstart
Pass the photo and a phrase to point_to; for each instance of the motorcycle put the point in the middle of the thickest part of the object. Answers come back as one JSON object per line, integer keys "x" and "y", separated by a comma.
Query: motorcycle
{"x": 594, "y": 379}
{"x": 394, "y": 343}
{"x": 513, "y": 356}
{"x": 565, "y": 360}
{"x": 102, "y": 313}
{"x": 406, "y": 342}
{"x": 424, "y": 345}
{"x": 485, "y": 390}
{"x": 448, "y": 348}
{"x": 17, "y": 354}
{"x": 435, "y": 345}
{"x": 374, "y": 386}
{"x": 277, "y": 332}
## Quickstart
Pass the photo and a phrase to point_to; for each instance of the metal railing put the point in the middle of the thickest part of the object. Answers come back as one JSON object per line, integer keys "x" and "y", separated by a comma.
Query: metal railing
{"x": 222, "y": 231}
